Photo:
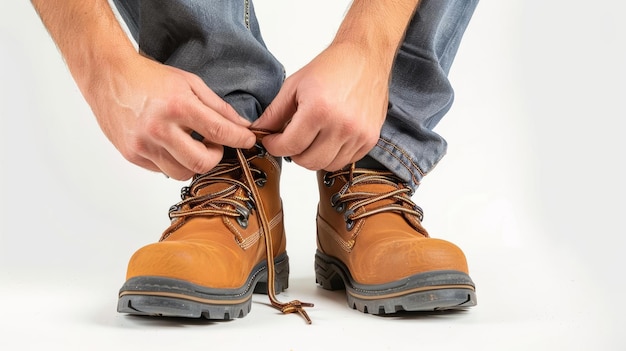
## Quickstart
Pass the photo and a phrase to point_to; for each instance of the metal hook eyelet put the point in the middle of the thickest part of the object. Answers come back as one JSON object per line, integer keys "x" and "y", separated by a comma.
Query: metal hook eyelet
{"x": 349, "y": 224}
{"x": 411, "y": 190}
{"x": 261, "y": 180}
{"x": 340, "y": 207}
{"x": 420, "y": 211}
{"x": 349, "y": 221}
{"x": 262, "y": 152}
{"x": 242, "y": 220}
{"x": 328, "y": 181}
{"x": 173, "y": 208}
{"x": 334, "y": 202}
{"x": 185, "y": 192}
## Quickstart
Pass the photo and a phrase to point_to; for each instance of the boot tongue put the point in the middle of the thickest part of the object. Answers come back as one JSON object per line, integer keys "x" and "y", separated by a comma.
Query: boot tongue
{"x": 230, "y": 154}
{"x": 213, "y": 185}
{"x": 369, "y": 162}
{"x": 229, "y": 168}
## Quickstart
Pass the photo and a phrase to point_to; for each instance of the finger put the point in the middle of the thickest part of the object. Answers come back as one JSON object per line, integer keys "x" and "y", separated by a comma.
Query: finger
{"x": 197, "y": 157}
{"x": 313, "y": 162}
{"x": 329, "y": 151}
{"x": 346, "y": 156}
{"x": 160, "y": 160}
{"x": 215, "y": 128}
{"x": 169, "y": 166}
{"x": 209, "y": 98}
{"x": 280, "y": 111}
{"x": 295, "y": 139}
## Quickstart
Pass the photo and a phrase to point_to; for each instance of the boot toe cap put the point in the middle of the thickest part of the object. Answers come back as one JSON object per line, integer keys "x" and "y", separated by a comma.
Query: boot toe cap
{"x": 392, "y": 260}
{"x": 211, "y": 266}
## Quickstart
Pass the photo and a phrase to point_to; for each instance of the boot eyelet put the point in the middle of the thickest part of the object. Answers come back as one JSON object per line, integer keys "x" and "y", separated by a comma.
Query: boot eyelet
{"x": 185, "y": 192}
{"x": 262, "y": 152}
{"x": 349, "y": 221}
{"x": 328, "y": 181}
{"x": 333, "y": 199}
{"x": 250, "y": 205}
{"x": 411, "y": 190}
{"x": 173, "y": 208}
{"x": 334, "y": 202}
{"x": 420, "y": 211}
{"x": 349, "y": 224}
{"x": 261, "y": 180}
{"x": 242, "y": 221}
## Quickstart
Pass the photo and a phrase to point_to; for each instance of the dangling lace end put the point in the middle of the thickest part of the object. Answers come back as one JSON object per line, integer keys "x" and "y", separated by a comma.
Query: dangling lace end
{"x": 296, "y": 306}
{"x": 292, "y": 306}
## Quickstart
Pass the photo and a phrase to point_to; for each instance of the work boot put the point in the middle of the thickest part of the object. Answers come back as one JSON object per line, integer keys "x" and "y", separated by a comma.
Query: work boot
{"x": 372, "y": 244}
{"x": 213, "y": 257}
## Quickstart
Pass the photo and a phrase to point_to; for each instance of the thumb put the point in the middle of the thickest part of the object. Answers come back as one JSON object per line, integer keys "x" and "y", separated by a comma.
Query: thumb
{"x": 278, "y": 114}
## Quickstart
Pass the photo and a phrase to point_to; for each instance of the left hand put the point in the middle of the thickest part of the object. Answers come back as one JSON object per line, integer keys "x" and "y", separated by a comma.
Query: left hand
{"x": 329, "y": 113}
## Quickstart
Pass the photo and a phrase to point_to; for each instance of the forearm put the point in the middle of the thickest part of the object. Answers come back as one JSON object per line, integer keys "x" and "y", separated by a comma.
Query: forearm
{"x": 88, "y": 35}
{"x": 377, "y": 26}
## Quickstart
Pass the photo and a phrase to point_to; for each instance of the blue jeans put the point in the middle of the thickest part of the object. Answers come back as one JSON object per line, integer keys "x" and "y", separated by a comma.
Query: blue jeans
{"x": 220, "y": 41}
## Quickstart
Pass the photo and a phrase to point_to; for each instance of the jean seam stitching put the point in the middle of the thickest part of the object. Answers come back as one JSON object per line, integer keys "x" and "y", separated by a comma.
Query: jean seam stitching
{"x": 401, "y": 161}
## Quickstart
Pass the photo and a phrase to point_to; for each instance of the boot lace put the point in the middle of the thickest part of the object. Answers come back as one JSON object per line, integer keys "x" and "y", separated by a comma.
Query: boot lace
{"x": 357, "y": 205}
{"x": 230, "y": 202}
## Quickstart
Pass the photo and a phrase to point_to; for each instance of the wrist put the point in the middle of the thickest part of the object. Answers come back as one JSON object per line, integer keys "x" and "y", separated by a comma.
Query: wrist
{"x": 97, "y": 66}
{"x": 88, "y": 35}
{"x": 377, "y": 27}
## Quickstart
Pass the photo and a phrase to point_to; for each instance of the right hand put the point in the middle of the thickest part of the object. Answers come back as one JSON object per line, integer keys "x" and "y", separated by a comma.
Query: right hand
{"x": 148, "y": 111}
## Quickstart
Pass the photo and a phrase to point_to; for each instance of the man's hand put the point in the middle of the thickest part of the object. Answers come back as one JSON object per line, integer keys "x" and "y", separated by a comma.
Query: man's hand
{"x": 148, "y": 111}
{"x": 330, "y": 112}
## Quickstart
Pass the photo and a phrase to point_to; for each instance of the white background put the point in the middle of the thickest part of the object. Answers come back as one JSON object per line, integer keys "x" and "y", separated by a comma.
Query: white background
{"x": 532, "y": 190}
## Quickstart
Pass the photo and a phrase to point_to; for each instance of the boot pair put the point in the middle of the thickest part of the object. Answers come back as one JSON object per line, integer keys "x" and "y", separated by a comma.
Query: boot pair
{"x": 226, "y": 241}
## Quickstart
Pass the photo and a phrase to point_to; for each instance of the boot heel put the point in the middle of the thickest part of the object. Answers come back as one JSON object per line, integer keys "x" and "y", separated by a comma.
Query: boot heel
{"x": 327, "y": 275}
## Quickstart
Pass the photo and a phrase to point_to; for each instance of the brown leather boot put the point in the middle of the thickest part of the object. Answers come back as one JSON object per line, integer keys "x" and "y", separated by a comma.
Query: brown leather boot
{"x": 371, "y": 242}
{"x": 214, "y": 255}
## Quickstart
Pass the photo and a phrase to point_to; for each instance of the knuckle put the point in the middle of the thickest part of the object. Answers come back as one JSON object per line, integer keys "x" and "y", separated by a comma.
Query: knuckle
{"x": 133, "y": 150}
{"x": 204, "y": 164}
{"x": 218, "y": 133}
{"x": 368, "y": 140}
{"x": 284, "y": 146}
{"x": 155, "y": 129}
{"x": 326, "y": 111}
{"x": 174, "y": 107}
{"x": 293, "y": 148}
{"x": 200, "y": 166}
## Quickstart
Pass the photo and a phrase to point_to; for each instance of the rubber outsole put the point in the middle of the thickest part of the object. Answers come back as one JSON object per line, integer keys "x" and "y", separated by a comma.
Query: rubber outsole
{"x": 167, "y": 297}
{"x": 430, "y": 291}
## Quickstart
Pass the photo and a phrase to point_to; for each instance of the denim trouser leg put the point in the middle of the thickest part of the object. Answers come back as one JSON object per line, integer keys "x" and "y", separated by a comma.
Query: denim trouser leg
{"x": 218, "y": 40}
{"x": 420, "y": 93}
